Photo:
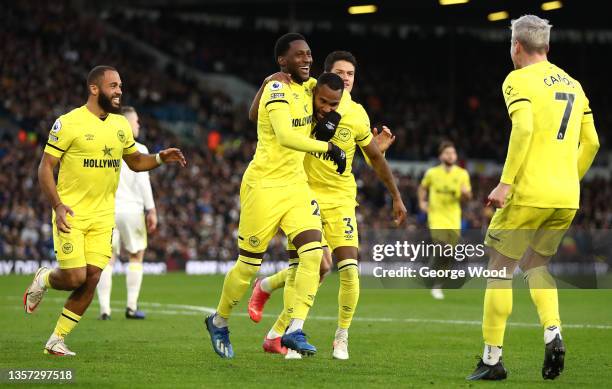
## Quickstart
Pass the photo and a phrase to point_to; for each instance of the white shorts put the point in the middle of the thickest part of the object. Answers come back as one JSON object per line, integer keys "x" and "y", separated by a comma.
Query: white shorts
{"x": 130, "y": 233}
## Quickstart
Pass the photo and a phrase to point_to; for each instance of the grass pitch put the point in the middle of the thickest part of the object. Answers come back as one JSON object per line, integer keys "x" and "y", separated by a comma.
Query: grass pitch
{"x": 399, "y": 338}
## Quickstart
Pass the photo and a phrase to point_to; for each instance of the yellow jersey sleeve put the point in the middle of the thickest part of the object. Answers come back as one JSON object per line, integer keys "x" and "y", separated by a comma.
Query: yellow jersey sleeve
{"x": 515, "y": 93}
{"x": 587, "y": 114}
{"x": 426, "y": 181}
{"x": 276, "y": 96}
{"x": 465, "y": 180}
{"x": 363, "y": 135}
{"x": 60, "y": 137}
{"x": 129, "y": 144}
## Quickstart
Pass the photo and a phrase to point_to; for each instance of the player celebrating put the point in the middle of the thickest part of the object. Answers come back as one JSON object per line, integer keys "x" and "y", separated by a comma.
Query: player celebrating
{"x": 88, "y": 143}
{"x": 274, "y": 193}
{"x": 440, "y": 193}
{"x": 336, "y": 196}
{"x": 552, "y": 145}
{"x": 134, "y": 195}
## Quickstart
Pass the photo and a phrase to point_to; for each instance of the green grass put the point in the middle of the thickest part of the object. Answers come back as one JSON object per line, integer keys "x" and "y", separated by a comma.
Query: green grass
{"x": 414, "y": 348}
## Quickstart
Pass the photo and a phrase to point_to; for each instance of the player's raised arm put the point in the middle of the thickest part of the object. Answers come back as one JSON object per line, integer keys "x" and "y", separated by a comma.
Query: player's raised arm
{"x": 383, "y": 171}
{"x": 589, "y": 143}
{"x": 139, "y": 162}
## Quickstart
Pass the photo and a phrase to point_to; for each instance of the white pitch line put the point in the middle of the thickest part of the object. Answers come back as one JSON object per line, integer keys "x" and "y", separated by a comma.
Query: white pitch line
{"x": 194, "y": 310}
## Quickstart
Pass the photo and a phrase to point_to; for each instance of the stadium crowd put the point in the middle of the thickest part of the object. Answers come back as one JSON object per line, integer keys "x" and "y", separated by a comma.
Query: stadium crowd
{"x": 45, "y": 58}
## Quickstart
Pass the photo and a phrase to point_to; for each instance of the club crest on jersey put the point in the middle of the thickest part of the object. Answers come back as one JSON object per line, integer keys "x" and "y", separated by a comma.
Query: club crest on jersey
{"x": 121, "y": 135}
{"x": 344, "y": 134}
{"x": 254, "y": 241}
{"x": 56, "y": 126}
{"x": 276, "y": 85}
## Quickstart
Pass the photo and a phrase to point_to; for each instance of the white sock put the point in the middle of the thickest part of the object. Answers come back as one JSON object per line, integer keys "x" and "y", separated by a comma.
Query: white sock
{"x": 550, "y": 333}
{"x": 273, "y": 334}
{"x": 296, "y": 324}
{"x": 219, "y": 321}
{"x": 265, "y": 286}
{"x": 104, "y": 289}
{"x": 341, "y": 333}
{"x": 133, "y": 280}
{"x": 491, "y": 354}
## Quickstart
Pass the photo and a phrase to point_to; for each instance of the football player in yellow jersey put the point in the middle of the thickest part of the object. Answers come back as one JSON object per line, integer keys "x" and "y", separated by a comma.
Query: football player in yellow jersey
{"x": 552, "y": 144}
{"x": 335, "y": 195}
{"x": 440, "y": 194}
{"x": 88, "y": 143}
{"x": 274, "y": 193}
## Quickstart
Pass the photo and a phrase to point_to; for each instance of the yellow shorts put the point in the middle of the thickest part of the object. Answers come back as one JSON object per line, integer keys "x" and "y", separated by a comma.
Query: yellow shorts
{"x": 514, "y": 228}
{"x": 264, "y": 210}
{"x": 339, "y": 227}
{"x": 449, "y": 236}
{"x": 89, "y": 242}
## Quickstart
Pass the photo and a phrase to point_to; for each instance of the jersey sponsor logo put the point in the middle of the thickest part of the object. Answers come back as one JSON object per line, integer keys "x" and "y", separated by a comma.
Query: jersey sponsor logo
{"x": 67, "y": 248}
{"x": 121, "y": 135}
{"x": 344, "y": 134}
{"x": 56, "y": 126}
{"x": 277, "y": 95}
{"x": 89, "y": 136}
{"x": 276, "y": 85}
{"x": 299, "y": 122}
{"x": 254, "y": 241}
{"x": 324, "y": 156}
{"x": 107, "y": 151}
{"x": 53, "y": 138}
{"x": 102, "y": 163}
{"x": 510, "y": 91}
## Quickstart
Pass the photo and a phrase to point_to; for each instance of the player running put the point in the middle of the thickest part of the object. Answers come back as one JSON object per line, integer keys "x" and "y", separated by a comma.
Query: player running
{"x": 336, "y": 196}
{"x": 88, "y": 143}
{"x": 274, "y": 193}
{"x": 134, "y": 195}
{"x": 552, "y": 145}
{"x": 441, "y": 192}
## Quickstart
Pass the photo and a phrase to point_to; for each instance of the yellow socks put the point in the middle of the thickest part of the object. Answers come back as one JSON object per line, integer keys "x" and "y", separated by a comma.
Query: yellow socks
{"x": 275, "y": 281}
{"x": 45, "y": 279}
{"x": 236, "y": 283}
{"x": 66, "y": 323}
{"x": 282, "y": 322}
{"x": 543, "y": 290}
{"x": 497, "y": 309}
{"x": 348, "y": 294}
{"x": 306, "y": 279}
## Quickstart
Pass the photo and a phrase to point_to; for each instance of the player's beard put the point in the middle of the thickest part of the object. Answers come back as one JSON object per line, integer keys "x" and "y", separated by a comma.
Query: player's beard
{"x": 107, "y": 105}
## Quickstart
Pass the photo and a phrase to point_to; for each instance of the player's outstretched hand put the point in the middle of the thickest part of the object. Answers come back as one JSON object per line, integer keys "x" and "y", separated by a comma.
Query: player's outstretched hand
{"x": 61, "y": 217}
{"x": 173, "y": 155}
{"x": 384, "y": 139}
{"x": 399, "y": 212}
{"x": 497, "y": 197}
{"x": 338, "y": 156}
{"x": 151, "y": 220}
{"x": 326, "y": 128}
{"x": 279, "y": 76}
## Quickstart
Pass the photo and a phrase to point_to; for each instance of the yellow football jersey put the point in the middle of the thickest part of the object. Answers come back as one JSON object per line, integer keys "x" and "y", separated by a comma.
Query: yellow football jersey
{"x": 548, "y": 176}
{"x": 274, "y": 165}
{"x": 444, "y": 189}
{"x": 90, "y": 151}
{"x": 353, "y": 130}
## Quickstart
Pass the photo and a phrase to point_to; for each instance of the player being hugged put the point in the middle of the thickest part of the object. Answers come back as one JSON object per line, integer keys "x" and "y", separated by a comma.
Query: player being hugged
{"x": 135, "y": 216}
{"x": 274, "y": 193}
{"x": 88, "y": 143}
{"x": 552, "y": 145}
{"x": 348, "y": 125}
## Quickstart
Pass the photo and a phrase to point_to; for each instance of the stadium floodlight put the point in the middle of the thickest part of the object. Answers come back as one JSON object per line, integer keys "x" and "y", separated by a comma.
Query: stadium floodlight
{"x": 495, "y": 16}
{"x": 550, "y": 5}
{"x": 453, "y": 2}
{"x": 362, "y": 9}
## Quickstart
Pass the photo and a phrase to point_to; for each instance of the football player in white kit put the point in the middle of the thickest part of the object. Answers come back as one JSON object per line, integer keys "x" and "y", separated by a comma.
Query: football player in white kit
{"x": 135, "y": 216}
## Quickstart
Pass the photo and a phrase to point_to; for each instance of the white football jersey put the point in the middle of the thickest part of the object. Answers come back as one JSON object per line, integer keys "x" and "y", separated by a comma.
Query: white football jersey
{"x": 134, "y": 193}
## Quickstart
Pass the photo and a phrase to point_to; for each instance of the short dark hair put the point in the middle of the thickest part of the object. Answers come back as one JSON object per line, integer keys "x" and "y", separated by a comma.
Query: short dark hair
{"x": 336, "y": 56}
{"x": 282, "y": 44}
{"x": 97, "y": 73}
{"x": 332, "y": 80}
{"x": 127, "y": 109}
{"x": 445, "y": 144}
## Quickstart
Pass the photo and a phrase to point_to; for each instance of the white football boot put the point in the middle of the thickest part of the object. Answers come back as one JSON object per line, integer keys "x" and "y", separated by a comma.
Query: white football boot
{"x": 341, "y": 346}
{"x": 35, "y": 292}
{"x": 56, "y": 346}
{"x": 292, "y": 354}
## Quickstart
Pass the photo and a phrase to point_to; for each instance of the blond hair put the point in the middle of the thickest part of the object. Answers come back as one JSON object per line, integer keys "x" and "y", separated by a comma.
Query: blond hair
{"x": 532, "y": 32}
